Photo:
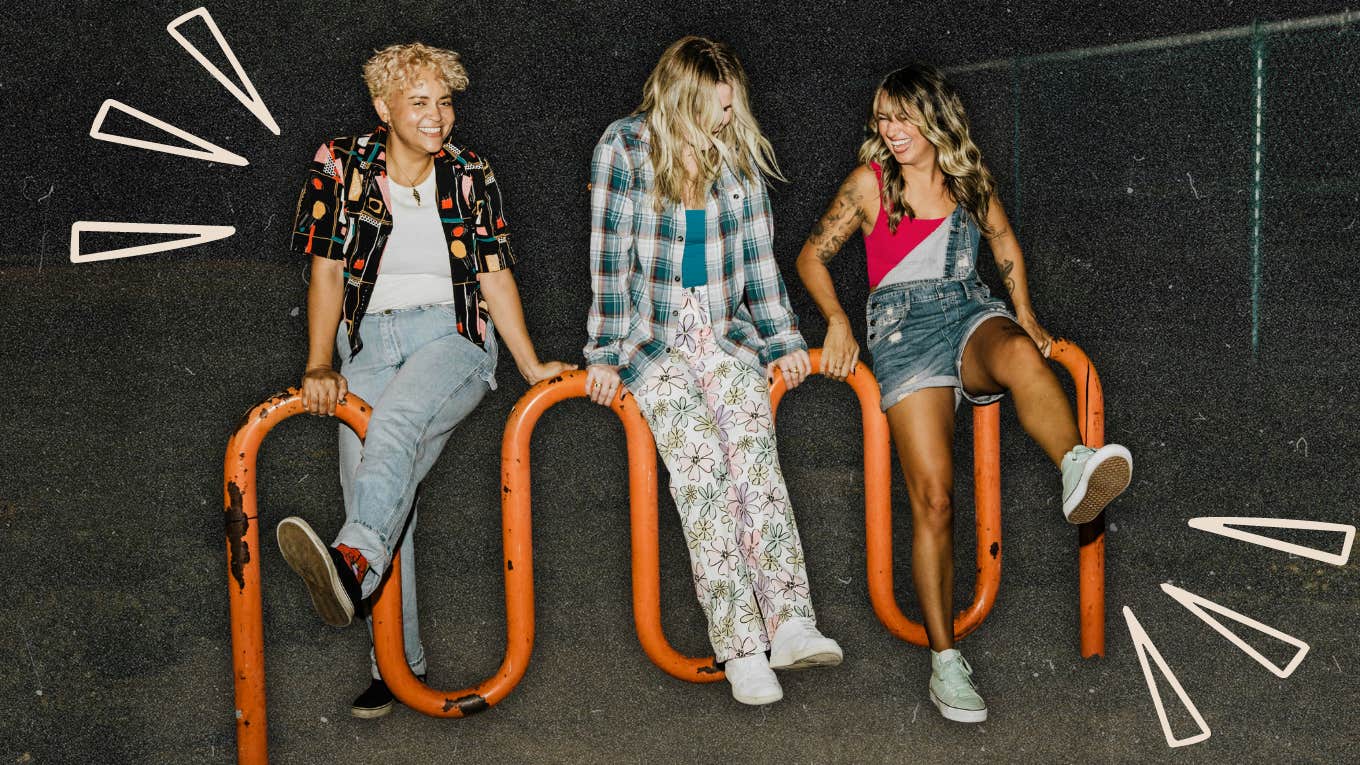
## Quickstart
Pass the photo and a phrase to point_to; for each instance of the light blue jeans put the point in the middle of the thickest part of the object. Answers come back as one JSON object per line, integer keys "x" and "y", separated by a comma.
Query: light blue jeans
{"x": 422, "y": 379}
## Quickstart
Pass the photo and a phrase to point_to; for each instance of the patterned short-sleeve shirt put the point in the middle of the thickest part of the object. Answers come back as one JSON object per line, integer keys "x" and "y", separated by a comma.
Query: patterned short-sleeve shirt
{"x": 344, "y": 213}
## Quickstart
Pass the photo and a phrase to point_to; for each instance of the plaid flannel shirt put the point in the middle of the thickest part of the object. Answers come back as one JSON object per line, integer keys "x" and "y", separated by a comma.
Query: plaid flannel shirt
{"x": 635, "y": 255}
{"x": 344, "y": 213}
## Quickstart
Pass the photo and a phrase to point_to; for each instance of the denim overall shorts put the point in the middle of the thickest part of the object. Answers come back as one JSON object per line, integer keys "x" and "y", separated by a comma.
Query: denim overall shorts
{"x": 918, "y": 329}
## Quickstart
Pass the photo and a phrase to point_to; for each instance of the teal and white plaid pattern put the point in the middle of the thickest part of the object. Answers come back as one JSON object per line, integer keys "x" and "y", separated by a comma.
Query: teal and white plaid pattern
{"x": 635, "y": 255}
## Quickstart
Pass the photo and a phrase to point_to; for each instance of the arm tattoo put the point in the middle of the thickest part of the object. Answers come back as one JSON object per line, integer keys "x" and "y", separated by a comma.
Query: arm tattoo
{"x": 844, "y": 214}
{"x": 1006, "y": 268}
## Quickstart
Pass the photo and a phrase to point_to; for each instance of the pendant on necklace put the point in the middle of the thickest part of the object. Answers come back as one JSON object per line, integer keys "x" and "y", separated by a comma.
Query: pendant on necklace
{"x": 415, "y": 192}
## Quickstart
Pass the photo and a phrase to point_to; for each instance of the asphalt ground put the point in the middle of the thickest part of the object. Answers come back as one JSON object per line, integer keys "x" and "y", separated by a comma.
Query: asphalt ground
{"x": 1130, "y": 185}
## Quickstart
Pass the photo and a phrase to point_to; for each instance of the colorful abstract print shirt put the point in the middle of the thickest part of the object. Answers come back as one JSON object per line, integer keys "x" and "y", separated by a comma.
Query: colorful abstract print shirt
{"x": 344, "y": 213}
{"x": 636, "y": 253}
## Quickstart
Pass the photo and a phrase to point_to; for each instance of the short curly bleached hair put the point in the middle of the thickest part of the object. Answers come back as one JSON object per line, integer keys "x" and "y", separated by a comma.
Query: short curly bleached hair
{"x": 391, "y": 69}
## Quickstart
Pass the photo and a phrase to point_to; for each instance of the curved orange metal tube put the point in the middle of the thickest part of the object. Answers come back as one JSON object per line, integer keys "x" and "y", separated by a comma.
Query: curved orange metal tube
{"x": 987, "y": 503}
{"x": 243, "y": 560}
{"x": 516, "y": 515}
{"x": 878, "y": 506}
{"x": 1090, "y": 536}
{"x": 243, "y": 537}
{"x": 244, "y": 569}
{"x": 642, "y": 492}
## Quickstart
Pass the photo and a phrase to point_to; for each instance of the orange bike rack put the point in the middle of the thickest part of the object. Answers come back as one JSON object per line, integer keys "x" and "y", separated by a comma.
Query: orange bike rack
{"x": 243, "y": 560}
{"x": 642, "y": 493}
{"x": 1090, "y": 536}
{"x": 987, "y": 503}
{"x": 243, "y": 566}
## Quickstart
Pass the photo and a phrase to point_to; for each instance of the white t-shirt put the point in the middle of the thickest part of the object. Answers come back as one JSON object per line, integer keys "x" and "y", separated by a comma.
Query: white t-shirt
{"x": 415, "y": 262}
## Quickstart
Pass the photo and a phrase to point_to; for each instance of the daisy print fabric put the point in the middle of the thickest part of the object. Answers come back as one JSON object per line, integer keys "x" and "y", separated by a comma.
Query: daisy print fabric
{"x": 710, "y": 416}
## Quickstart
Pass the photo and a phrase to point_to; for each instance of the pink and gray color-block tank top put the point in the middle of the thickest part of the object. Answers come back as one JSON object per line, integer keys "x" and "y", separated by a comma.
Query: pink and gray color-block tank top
{"x": 918, "y": 250}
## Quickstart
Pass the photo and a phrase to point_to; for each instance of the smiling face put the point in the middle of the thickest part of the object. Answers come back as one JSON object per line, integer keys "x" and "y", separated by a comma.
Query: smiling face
{"x": 901, "y": 134}
{"x": 420, "y": 115}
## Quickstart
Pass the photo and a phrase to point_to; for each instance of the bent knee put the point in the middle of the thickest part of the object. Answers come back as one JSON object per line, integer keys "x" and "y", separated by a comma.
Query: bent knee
{"x": 934, "y": 508}
{"x": 1018, "y": 358}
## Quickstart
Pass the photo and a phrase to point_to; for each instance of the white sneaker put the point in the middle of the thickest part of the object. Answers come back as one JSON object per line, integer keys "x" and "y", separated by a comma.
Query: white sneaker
{"x": 798, "y": 645}
{"x": 753, "y": 682}
{"x": 1092, "y": 478}
{"x": 952, "y": 688}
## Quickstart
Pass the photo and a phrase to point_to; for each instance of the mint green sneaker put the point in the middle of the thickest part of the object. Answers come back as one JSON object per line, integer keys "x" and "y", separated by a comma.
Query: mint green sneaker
{"x": 1092, "y": 478}
{"x": 952, "y": 688}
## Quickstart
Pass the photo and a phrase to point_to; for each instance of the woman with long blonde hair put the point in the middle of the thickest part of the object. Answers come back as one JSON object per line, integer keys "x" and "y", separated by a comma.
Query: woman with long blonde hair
{"x": 690, "y": 315}
{"x": 922, "y": 198}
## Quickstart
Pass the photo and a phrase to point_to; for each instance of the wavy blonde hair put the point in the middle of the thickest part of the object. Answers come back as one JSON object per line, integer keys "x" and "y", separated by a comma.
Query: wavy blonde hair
{"x": 930, "y": 103}
{"x": 681, "y": 107}
{"x": 391, "y": 69}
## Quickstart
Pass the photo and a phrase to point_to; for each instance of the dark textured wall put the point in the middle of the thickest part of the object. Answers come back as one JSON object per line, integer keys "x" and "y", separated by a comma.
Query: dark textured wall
{"x": 1103, "y": 143}
{"x": 1129, "y": 181}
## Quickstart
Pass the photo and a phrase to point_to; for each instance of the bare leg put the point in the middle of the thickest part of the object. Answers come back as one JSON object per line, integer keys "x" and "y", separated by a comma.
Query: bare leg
{"x": 923, "y": 428}
{"x": 1000, "y": 357}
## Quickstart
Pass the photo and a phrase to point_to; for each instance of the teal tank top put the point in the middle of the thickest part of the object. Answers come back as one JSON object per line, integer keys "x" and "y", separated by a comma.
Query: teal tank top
{"x": 693, "y": 268}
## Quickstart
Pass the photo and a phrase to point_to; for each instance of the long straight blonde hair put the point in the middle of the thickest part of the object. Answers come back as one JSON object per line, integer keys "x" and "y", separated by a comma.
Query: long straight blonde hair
{"x": 681, "y": 107}
{"x": 929, "y": 102}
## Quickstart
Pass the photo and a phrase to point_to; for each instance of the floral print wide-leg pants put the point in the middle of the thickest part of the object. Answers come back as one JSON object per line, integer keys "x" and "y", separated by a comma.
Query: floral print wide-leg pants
{"x": 710, "y": 416}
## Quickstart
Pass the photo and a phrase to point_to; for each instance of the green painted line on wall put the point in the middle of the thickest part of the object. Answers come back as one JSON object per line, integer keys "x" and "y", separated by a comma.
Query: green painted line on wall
{"x": 1258, "y": 75}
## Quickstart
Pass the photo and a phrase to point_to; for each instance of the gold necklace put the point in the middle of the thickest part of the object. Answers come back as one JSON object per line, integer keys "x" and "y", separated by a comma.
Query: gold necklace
{"x": 415, "y": 193}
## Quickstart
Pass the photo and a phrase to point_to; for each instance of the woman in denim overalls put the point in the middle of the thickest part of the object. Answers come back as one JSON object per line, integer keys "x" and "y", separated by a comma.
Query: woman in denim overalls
{"x": 923, "y": 199}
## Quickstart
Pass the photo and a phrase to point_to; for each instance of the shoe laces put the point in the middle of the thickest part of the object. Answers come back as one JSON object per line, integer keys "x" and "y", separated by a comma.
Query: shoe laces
{"x": 1073, "y": 467}
{"x": 957, "y": 672}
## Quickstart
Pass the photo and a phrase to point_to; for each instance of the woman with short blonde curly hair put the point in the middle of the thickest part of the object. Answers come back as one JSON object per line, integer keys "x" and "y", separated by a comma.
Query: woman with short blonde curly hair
{"x": 410, "y": 254}
{"x": 690, "y": 315}
{"x": 391, "y": 69}
{"x": 923, "y": 200}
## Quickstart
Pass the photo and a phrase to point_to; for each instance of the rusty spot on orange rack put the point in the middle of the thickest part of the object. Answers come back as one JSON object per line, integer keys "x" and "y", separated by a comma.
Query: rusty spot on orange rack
{"x": 237, "y": 523}
{"x": 469, "y": 704}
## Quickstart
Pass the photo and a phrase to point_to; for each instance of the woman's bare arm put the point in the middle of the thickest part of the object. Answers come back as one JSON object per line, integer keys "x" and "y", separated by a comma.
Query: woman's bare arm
{"x": 844, "y": 216}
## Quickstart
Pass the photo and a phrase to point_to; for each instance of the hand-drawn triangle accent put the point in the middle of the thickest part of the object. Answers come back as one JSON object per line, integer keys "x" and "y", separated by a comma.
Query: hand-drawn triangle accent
{"x": 205, "y": 151}
{"x": 1143, "y": 645}
{"x": 198, "y": 235}
{"x": 1196, "y": 605}
{"x": 1220, "y": 525}
{"x": 250, "y": 98}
